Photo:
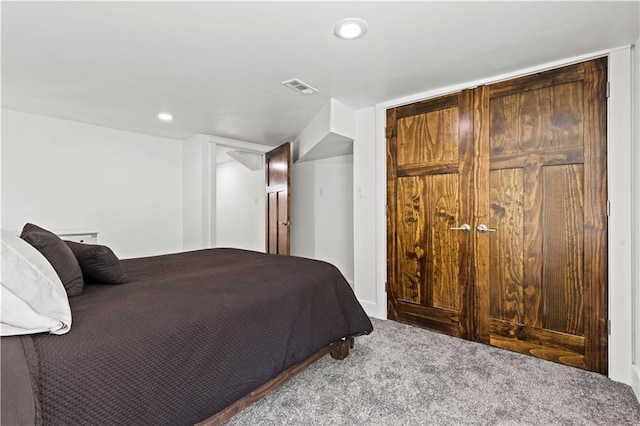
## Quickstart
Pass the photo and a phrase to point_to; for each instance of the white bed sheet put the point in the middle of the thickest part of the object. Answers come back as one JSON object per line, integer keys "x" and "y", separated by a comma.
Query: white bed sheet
{"x": 32, "y": 297}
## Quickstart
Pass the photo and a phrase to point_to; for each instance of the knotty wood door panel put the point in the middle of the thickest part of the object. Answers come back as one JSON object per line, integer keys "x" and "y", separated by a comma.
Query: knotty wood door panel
{"x": 543, "y": 290}
{"x": 430, "y": 271}
{"x": 427, "y": 208}
{"x": 507, "y": 246}
{"x": 535, "y": 171}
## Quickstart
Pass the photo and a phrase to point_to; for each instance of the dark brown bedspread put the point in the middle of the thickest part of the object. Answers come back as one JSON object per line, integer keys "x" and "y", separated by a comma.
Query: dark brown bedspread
{"x": 189, "y": 334}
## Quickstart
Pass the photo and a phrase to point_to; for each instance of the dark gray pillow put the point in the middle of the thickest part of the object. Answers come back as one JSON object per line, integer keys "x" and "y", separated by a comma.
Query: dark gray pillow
{"x": 98, "y": 263}
{"x": 59, "y": 256}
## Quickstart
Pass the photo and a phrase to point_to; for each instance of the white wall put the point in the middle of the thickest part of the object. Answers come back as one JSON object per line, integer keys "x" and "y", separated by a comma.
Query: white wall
{"x": 334, "y": 213}
{"x": 199, "y": 192}
{"x": 240, "y": 216}
{"x": 68, "y": 175}
{"x": 370, "y": 146}
{"x": 322, "y": 211}
{"x": 364, "y": 213}
{"x": 303, "y": 212}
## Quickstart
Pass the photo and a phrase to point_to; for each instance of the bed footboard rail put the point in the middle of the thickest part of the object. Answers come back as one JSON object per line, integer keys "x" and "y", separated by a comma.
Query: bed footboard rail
{"x": 339, "y": 350}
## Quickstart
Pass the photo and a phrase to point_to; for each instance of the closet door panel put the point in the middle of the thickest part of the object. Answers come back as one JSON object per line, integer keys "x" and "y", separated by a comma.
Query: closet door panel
{"x": 429, "y": 138}
{"x": 563, "y": 249}
{"x": 543, "y": 119}
{"x": 507, "y": 246}
{"x": 442, "y": 244}
{"x": 547, "y": 178}
{"x": 411, "y": 240}
{"x": 429, "y": 167}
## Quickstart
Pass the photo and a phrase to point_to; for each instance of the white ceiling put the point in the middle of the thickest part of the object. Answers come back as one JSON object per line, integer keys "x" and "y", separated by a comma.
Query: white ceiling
{"x": 217, "y": 66}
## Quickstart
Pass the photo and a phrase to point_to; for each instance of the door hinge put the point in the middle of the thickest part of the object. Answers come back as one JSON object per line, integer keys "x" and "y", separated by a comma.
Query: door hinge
{"x": 609, "y": 327}
{"x": 608, "y": 208}
{"x": 386, "y": 286}
{"x": 608, "y": 89}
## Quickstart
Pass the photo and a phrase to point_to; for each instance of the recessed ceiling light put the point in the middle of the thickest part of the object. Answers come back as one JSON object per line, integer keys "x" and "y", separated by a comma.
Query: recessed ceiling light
{"x": 350, "y": 28}
{"x": 165, "y": 116}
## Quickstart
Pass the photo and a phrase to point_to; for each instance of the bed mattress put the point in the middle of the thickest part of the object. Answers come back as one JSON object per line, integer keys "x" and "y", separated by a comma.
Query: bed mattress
{"x": 186, "y": 336}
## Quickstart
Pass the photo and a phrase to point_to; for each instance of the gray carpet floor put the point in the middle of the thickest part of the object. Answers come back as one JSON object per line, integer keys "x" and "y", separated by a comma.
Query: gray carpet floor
{"x": 403, "y": 375}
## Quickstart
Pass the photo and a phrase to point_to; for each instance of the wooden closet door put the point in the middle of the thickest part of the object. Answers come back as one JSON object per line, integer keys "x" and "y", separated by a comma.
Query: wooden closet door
{"x": 541, "y": 277}
{"x": 430, "y": 156}
{"x": 523, "y": 162}
{"x": 278, "y": 200}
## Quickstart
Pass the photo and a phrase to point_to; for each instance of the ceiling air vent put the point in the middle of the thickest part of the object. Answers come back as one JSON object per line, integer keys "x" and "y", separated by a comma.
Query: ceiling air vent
{"x": 300, "y": 86}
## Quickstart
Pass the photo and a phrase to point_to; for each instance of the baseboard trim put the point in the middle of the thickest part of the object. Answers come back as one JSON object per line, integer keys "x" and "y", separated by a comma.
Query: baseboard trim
{"x": 635, "y": 380}
{"x": 374, "y": 309}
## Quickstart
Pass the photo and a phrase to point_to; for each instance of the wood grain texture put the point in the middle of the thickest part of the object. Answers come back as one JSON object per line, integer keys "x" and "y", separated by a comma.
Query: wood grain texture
{"x": 442, "y": 320}
{"x": 538, "y": 336}
{"x": 428, "y": 138}
{"x": 278, "y": 195}
{"x": 552, "y": 346}
{"x": 429, "y": 155}
{"x": 272, "y": 222}
{"x": 545, "y": 119}
{"x": 428, "y": 169}
{"x": 562, "y": 249}
{"x": 393, "y": 288}
{"x": 481, "y": 210}
{"x": 534, "y": 169}
{"x": 546, "y": 128}
{"x": 535, "y": 159}
{"x": 506, "y": 199}
{"x": 283, "y": 222}
{"x": 428, "y": 105}
{"x": 550, "y": 353}
{"x": 595, "y": 215}
{"x": 411, "y": 226}
{"x": 443, "y": 245}
{"x": 532, "y": 241}
{"x": 466, "y": 201}
{"x": 567, "y": 116}
{"x": 538, "y": 81}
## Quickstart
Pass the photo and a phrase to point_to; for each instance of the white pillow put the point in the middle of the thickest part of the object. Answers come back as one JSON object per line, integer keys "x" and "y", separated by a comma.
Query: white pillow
{"x": 32, "y": 297}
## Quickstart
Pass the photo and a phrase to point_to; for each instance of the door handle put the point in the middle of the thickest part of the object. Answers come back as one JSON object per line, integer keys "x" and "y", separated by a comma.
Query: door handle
{"x": 464, "y": 228}
{"x": 285, "y": 223}
{"x": 482, "y": 228}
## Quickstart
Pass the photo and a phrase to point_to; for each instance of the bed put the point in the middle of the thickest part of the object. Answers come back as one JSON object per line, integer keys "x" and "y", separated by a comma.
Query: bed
{"x": 188, "y": 336}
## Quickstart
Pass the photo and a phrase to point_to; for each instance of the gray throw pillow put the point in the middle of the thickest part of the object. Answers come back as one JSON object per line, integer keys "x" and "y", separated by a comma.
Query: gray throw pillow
{"x": 58, "y": 254}
{"x": 98, "y": 263}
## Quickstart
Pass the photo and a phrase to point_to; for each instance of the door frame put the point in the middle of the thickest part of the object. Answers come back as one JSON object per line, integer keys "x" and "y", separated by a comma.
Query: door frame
{"x": 619, "y": 142}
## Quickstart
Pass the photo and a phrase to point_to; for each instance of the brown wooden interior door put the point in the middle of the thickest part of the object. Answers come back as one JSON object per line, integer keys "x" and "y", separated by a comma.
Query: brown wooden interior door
{"x": 277, "y": 165}
{"x": 526, "y": 159}
{"x": 430, "y": 154}
{"x": 541, "y": 277}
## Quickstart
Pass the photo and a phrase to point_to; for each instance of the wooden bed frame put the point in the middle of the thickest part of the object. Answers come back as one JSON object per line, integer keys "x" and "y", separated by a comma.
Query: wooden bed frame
{"x": 338, "y": 350}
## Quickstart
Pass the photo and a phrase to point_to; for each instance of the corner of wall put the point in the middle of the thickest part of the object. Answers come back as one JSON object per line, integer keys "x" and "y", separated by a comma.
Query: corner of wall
{"x": 635, "y": 205}
{"x": 198, "y": 184}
